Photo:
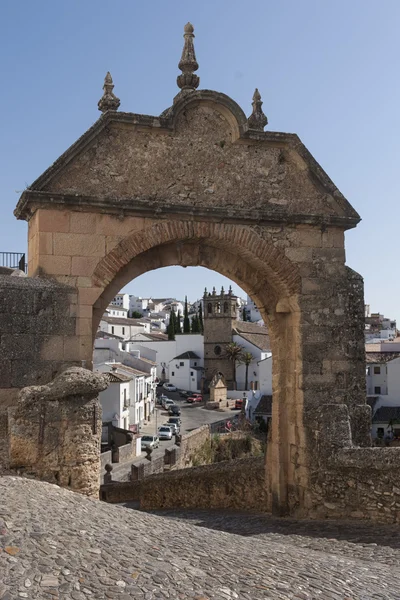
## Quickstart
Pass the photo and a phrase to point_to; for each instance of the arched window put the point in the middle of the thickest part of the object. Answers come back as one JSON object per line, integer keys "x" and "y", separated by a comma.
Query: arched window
{"x": 209, "y": 308}
{"x": 218, "y": 307}
{"x": 226, "y": 307}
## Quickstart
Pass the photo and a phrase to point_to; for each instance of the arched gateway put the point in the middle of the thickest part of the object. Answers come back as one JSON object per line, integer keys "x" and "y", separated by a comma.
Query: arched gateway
{"x": 203, "y": 185}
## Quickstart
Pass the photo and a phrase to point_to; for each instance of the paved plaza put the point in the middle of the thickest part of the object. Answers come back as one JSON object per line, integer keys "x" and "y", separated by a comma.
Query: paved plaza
{"x": 56, "y": 544}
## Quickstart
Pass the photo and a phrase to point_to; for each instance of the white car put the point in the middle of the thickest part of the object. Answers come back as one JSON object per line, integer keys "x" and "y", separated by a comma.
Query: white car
{"x": 149, "y": 441}
{"x": 169, "y": 387}
{"x": 167, "y": 403}
{"x": 165, "y": 433}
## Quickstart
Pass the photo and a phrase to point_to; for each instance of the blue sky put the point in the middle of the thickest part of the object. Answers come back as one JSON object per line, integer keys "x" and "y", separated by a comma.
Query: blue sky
{"x": 328, "y": 71}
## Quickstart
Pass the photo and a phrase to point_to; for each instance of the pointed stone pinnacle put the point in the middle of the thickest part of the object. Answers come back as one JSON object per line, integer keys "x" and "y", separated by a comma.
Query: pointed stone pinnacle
{"x": 108, "y": 101}
{"x": 188, "y": 63}
{"x": 257, "y": 119}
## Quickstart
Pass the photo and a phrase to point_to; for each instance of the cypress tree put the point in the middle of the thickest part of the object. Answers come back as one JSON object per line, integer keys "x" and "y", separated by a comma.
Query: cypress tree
{"x": 244, "y": 313}
{"x": 178, "y": 328}
{"x": 186, "y": 320}
{"x": 201, "y": 326}
{"x": 171, "y": 326}
{"x": 195, "y": 324}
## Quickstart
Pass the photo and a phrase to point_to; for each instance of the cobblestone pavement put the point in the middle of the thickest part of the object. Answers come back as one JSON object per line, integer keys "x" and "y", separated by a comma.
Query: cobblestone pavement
{"x": 57, "y": 544}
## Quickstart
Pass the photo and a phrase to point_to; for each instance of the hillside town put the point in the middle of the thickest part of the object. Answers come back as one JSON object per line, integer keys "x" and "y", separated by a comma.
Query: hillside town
{"x": 160, "y": 347}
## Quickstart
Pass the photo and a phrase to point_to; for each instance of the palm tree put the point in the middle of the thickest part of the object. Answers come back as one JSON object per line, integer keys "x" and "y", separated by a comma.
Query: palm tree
{"x": 246, "y": 359}
{"x": 233, "y": 352}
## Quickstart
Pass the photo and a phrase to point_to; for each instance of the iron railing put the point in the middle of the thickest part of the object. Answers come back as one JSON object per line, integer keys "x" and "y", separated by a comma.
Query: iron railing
{"x": 13, "y": 260}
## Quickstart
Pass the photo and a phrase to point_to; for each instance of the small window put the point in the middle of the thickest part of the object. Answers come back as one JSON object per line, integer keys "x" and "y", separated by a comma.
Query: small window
{"x": 209, "y": 308}
{"x": 195, "y": 364}
{"x": 173, "y": 374}
{"x": 217, "y": 350}
{"x": 377, "y": 370}
{"x": 226, "y": 307}
{"x": 181, "y": 364}
{"x": 377, "y": 389}
{"x": 191, "y": 373}
{"x": 380, "y": 432}
{"x": 368, "y": 370}
{"x": 124, "y": 394}
{"x": 112, "y": 328}
{"x": 123, "y": 331}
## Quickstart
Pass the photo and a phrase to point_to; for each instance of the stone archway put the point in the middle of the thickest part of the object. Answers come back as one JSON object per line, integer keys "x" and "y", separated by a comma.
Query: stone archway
{"x": 203, "y": 185}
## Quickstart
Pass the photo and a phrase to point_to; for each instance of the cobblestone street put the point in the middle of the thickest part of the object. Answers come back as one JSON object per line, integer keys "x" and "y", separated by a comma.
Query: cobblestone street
{"x": 57, "y": 544}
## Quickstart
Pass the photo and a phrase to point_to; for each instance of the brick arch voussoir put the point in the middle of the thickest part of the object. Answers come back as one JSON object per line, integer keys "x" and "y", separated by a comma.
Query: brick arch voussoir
{"x": 247, "y": 243}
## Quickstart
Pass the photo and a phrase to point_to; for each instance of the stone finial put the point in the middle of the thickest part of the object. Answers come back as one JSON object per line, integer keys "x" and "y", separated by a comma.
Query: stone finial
{"x": 230, "y": 290}
{"x": 109, "y": 100}
{"x": 188, "y": 63}
{"x": 222, "y": 291}
{"x": 205, "y": 291}
{"x": 257, "y": 119}
{"x": 214, "y": 292}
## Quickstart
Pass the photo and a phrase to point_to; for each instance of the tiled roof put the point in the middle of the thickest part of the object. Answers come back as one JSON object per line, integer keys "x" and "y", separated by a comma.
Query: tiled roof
{"x": 189, "y": 354}
{"x": 264, "y": 407}
{"x": 104, "y": 335}
{"x": 154, "y": 336}
{"x": 253, "y": 333}
{"x": 380, "y": 357}
{"x": 114, "y": 377}
{"x": 130, "y": 369}
{"x": 385, "y": 414}
{"x": 122, "y": 321}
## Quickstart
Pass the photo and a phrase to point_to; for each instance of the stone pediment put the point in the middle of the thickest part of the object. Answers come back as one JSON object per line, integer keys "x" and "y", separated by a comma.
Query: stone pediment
{"x": 198, "y": 157}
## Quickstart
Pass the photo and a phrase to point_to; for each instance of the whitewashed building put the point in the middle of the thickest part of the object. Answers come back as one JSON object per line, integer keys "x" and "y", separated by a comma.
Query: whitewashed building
{"x": 186, "y": 371}
{"x": 123, "y": 327}
{"x": 122, "y": 301}
{"x": 115, "y": 400}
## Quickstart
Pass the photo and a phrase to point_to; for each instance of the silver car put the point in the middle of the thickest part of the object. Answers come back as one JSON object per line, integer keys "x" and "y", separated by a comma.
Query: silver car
{"x": 173, "y": 426}
{"x": 165, "y": 432}
{"x": 150, "y": 441}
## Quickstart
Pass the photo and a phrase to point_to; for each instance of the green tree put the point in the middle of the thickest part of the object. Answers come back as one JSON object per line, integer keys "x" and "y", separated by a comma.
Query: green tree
{"x": 186, "y": 320}
{"x": 233, "y": 351}
{"x": 171, "y": 326}
{"x": 136, "y": 315}
{"x": 178, "y": 328}
{"x": 246, "y": 358}
{"x": 244, "y": 314}
{"x": 201, "y": 326}
{"x": 195, "y": 324}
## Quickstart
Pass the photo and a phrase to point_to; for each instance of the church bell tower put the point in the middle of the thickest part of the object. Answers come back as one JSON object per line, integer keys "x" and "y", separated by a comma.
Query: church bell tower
{"x": 220, "y": 312}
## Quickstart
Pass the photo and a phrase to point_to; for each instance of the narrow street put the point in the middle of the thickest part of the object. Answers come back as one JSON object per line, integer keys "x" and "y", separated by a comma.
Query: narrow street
{"x": 192, "y": 416}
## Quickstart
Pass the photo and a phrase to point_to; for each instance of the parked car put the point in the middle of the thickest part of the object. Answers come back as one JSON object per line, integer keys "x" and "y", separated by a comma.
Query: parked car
{"x": 165, "y": 432}
{"x": 174, "y": 409}
{"x": 239, "y": 404}
{"x": 159, "y": 384}
{"x": 194, "y": 398}
{"x": 168, "y": 403}
{"x": 173, "y": 426}
{"x": 150, "y": 441}
{"x": 175, "y": 421}
{"x": 169, "y": 387}
{"x": 184, "y": 394}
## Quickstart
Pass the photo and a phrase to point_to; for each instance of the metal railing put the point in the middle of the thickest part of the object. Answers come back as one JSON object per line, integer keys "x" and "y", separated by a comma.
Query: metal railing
{"x": 13, "y": 260}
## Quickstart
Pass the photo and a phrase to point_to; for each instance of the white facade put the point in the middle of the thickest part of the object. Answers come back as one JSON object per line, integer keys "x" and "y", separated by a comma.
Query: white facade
{"x": 115, "y": 401}
{"x": 124, "y": 328}
{"x": 253, "y": 314}
{"x": 167, "y": 350}
{"x": 186, "y": 373}
{"x": 253, "y": 381}
{"x": 116, "y": 311}
{"x": 121, "y": 300}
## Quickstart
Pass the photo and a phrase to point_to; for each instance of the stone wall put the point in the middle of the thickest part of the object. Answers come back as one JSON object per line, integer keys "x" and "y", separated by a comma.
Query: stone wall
{"x": 37, "y": 325}
{"x": 55, "y": 431}
{"x": 236, "y": 485}
{"x": 190, "y": 442}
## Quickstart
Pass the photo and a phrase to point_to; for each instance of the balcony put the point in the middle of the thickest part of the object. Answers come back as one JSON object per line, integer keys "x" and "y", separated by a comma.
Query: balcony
{"x": 13, "y": 260}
